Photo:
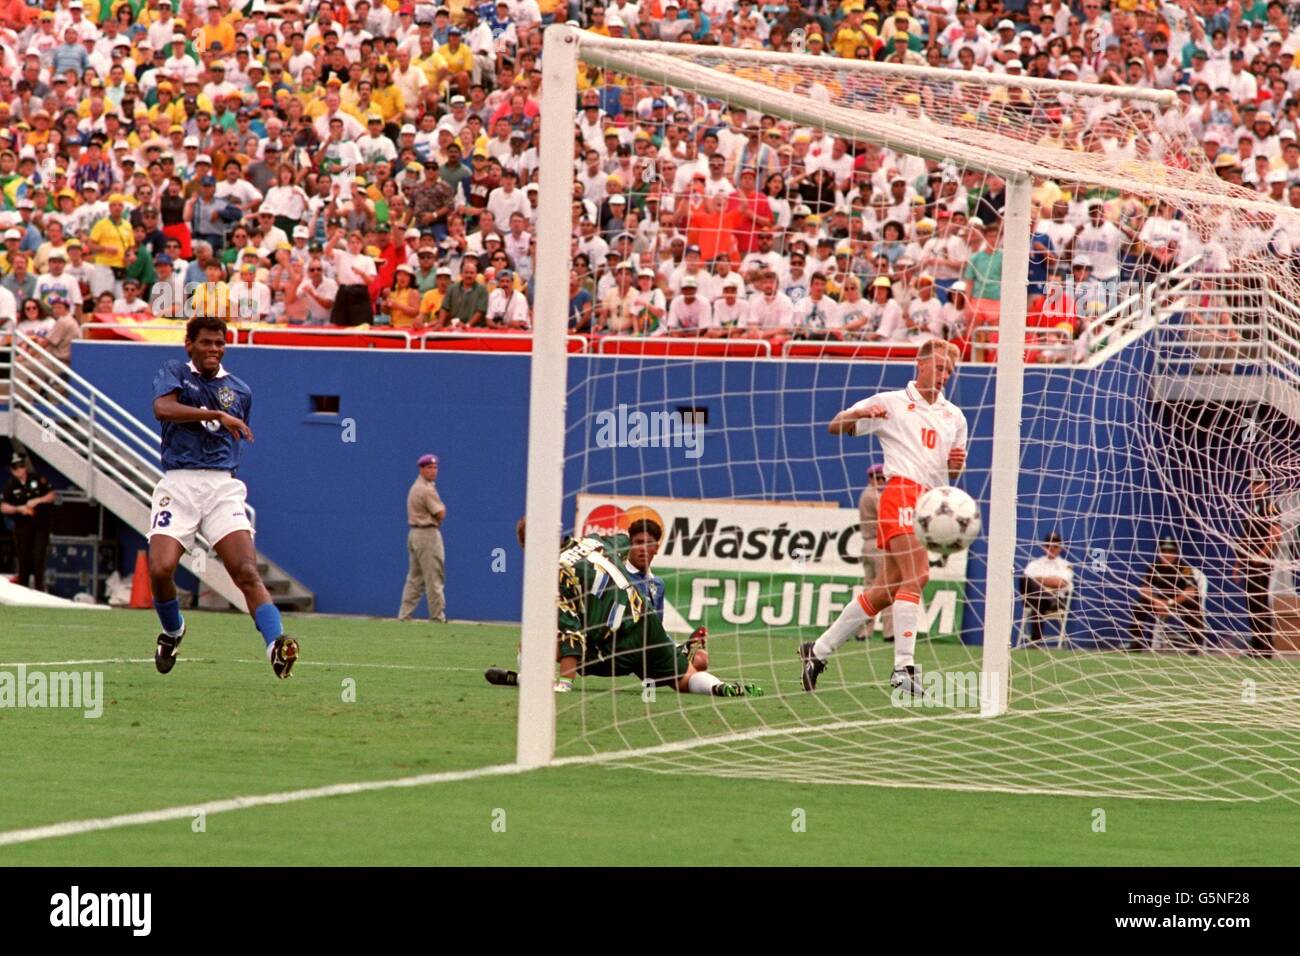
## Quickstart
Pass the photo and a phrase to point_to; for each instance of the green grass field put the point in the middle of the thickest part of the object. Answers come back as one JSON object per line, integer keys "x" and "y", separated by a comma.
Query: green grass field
{"x": 220, "y": 726}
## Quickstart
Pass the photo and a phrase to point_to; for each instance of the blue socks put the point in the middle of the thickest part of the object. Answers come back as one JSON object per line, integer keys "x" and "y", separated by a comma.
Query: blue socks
{"x": 267, "y": 619}
{"x": 169, "y": 615}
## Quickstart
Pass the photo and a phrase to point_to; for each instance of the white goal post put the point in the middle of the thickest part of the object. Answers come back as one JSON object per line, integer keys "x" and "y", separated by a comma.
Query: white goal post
{"x": 566, "y": 49}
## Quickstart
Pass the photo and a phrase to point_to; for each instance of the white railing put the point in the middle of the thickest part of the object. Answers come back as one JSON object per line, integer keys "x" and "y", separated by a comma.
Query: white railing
{"x": 374, "y": 333}
{"x": 1219, "y": 324}
{"x": 679, "y": 346}
{"x": 1134, "y": 315}
{"x": 1102, "y": 336}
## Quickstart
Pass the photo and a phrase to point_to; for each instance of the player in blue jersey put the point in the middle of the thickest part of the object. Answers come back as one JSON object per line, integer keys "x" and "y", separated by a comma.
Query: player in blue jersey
{"x": 205, "y": 411}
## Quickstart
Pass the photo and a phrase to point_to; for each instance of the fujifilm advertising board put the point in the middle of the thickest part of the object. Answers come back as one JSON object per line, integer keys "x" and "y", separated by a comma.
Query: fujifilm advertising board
{"x": 764, "y": 567}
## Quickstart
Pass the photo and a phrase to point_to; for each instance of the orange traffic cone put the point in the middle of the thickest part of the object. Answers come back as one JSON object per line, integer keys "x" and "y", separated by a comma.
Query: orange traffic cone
{"x": 141, "y": 591}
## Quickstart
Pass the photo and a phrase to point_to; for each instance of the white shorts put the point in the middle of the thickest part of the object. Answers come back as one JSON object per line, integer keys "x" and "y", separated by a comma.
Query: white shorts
{"x": 189, "y": 500}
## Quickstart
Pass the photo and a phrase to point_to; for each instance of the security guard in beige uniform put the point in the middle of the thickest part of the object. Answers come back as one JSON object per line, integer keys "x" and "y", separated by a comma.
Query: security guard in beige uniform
{"x": 425, "y": 513}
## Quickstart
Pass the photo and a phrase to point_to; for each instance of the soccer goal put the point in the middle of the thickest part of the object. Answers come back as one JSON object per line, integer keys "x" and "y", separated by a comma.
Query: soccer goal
{"x": 1131, "y": 381}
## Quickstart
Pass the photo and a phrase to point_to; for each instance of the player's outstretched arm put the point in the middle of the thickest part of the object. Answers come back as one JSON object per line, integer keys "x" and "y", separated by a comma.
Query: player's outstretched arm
{"x": 846, "y": 422}
{"x": 167, "y": 409}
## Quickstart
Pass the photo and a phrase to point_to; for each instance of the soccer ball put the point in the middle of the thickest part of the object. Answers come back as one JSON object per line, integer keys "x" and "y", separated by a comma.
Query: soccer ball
{"x": 947, "y": 520}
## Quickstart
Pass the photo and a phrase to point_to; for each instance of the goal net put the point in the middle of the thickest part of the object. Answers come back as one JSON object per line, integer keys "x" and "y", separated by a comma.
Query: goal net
{"x": 757, "y": 241}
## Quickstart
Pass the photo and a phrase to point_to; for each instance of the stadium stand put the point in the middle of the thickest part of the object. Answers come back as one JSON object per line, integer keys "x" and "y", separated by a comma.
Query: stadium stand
{"x": 157, "y": 161}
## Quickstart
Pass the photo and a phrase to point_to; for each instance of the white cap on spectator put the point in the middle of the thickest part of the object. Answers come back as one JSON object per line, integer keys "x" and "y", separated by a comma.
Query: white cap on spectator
{"x": 1015, "y": 65}
{"x": 614, "y": 20}
{"x": 13, "y": 234}
{"x": 1083, "y": 261}
{"x": 413, "y": 233}
{"x": 689, "y": 282}
{"x": 1006, "y": 25}
{"x": 301, "y": 232}
{"x": 731, "y": 282}
{"x": 203, "y": 158}
{"x": 1277, "y": 176}
{"x": 801, "y": 210}
{"x": 958, "y": 286}
{"x": 442, "y": 271}
{"x": 531, "y": 188}
{"x": 645, "y": 274}
{"x": 408, "y": 128}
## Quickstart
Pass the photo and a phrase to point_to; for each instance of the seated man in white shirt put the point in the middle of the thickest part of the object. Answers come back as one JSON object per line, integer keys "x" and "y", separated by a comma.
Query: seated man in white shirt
{"x": 730, "y": 309}
{"x": 1046, "y": 586}
{"x": 129, "y": 301}
{"x": 771, "y": 313}
{"x": 689, "y": 314}
{"x": 507, "y": 307}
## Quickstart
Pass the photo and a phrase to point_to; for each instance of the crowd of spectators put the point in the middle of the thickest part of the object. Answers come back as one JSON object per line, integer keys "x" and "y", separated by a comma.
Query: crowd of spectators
{"x": 356, "y": 163}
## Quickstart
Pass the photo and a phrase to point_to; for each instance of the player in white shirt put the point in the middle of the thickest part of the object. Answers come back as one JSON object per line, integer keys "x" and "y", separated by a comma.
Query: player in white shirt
{"x": 923, "y": 436}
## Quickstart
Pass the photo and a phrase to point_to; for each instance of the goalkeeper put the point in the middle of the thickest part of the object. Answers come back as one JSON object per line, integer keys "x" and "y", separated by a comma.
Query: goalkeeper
{"x": 610, "y": 619}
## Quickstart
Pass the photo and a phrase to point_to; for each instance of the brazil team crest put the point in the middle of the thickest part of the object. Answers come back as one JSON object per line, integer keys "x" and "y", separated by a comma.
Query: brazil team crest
{"x": 226, "y": 396}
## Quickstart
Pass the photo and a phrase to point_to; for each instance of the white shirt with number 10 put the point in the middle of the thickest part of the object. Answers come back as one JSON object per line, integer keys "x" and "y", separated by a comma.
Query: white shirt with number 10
{"x": 915, "y": 435}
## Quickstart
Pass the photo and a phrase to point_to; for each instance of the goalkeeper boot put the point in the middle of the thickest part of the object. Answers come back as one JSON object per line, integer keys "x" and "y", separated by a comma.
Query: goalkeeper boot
{"x": 736, "y": 688}
{"x": 696, "y": 642}
{"x": 166, "y": 653}
{"x": 501, "y": 677}
{"x": 812, "y": 666}
{"x": 283, "y": 654}
{"x": 905, "y": 677}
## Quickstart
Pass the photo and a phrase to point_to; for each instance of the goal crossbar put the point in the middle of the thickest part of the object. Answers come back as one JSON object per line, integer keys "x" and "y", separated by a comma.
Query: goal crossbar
{"x": 997, "y": 155}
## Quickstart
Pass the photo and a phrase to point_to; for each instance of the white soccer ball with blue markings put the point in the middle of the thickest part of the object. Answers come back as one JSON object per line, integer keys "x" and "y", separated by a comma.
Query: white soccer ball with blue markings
{"x": 947, "y": 520}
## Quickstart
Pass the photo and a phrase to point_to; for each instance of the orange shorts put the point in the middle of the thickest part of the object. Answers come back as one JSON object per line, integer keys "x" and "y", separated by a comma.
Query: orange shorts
{"x": 897, "y": 507}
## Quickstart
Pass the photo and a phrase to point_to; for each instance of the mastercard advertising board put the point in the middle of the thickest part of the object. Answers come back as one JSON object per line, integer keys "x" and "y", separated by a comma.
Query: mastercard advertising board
{"x": 763, "y": 567}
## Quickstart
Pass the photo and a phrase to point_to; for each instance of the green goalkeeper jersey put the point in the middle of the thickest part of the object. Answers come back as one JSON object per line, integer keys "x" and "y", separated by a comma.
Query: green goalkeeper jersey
{"x": 605, "y": 621}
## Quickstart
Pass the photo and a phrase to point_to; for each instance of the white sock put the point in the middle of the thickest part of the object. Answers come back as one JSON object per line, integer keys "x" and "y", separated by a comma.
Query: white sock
{"x": 702, "y": 682}
{"x": 907, "y": 612}
{"x": 845, "y": 626}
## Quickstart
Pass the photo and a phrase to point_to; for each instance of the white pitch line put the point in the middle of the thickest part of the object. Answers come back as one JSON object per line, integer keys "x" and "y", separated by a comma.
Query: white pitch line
{"x": 99, "y": 660}
{"x": 237, "y": 660}
{"x": 77, "y": 827}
